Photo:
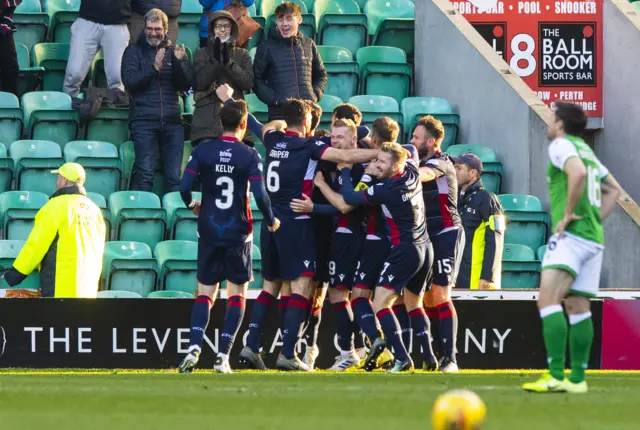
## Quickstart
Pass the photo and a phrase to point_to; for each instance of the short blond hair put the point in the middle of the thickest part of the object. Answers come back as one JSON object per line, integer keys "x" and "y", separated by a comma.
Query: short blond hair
{"x": 346, "y": 123}
{"x": 398, "y": 153}
{"x": 157, "y": 15}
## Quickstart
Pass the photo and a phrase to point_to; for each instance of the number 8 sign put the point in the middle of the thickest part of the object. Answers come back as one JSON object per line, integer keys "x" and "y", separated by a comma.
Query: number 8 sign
{"x": 554, "y": 46}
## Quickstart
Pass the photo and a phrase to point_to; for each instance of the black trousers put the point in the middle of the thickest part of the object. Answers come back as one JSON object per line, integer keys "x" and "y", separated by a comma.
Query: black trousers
{"x": 8, "y": 65}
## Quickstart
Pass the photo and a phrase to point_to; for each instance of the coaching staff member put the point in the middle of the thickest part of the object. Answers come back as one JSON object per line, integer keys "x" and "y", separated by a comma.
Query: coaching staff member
{"x": 483, "y": 222}
{"x": 67, "y": 241}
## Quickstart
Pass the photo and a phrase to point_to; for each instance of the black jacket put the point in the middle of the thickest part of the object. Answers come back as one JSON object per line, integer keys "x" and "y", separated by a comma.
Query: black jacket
{"x": 153, "y": 95}
{"x": 483, "y": 223}
{"x": 170, "y": 7}
{"x": 209, "y": 74}
{"x": 111, "y": 12}
{"x": 286, "y": 68}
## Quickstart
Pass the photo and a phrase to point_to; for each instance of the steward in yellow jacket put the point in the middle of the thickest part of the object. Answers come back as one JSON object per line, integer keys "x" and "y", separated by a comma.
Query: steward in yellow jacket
{"x": 67, "y": 241}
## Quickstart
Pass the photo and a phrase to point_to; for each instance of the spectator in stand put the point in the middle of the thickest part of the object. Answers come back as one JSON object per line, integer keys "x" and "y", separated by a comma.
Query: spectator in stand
{"x": 483, "y": 223}
{"x": 153, "y": 72}
{"x": 66, "y": 243}
{"x": 287, "y": 64}
{"x": 212, "y": 6}
{"x": 139, "y": 8}
{"x": 220, "y": 62}
{"x": 8, "y": 57}
{"x": 100, "y": 24}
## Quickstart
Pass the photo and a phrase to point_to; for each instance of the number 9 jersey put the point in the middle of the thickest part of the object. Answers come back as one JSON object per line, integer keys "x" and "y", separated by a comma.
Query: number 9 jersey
{"x": 225, "y": 166}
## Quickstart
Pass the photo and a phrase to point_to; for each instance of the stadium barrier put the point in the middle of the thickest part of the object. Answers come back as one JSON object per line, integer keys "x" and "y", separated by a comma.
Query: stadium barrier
{"x": 130, "y": 333}
{"x": 621, "y": 335}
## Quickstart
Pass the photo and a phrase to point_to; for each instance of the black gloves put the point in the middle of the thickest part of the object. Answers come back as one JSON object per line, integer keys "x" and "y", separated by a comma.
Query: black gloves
{"x": 221, "y": 51}
{"x": 226, "y": 53}
{"x": 216, "y": 49}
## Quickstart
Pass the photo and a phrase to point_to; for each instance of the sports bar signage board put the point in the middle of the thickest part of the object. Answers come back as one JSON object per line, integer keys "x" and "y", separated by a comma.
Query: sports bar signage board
{"x": 554, "y": 46}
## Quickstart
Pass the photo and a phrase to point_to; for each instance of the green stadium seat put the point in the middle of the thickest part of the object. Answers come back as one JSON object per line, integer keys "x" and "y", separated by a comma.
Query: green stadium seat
{"x": 257, "y": 37}
{"x": 48, "y": 115}
{"x": 384, "y": 71}
{"x": 17, "y": 211}
{"x": 328, "y": 103}
{"x": 177, "y": 260}
{"x": 63, "y": 14}
{"x": 636, "y": 6}
{"x": 341, "y": 23}
{"x": 391, "y": 23}
{"x": 129, "y": 266}
{"x": 170, "y": 295}
{"x": 6, "y": 169}
{"x": 11, "y": 117}
{"x": 101, "y": 202}
{"x": 373, "y": 107}
{"x": 492, "y": 168}
{"x": 107, "y": 294}
{"x": 342, "y": 71}
{"x": 541, "y": 252}
{"x": 520, "y": 269}
{"x": 29, "y": 78}
{"x": 189, "y": 24}
{"x": 9, "y": 250}
{"x": 182, "y": 223}
{"x": 101, "y": 163}
{"x": 97, "y": 73}
{"x": 137, "y": 216}
{"x": 31, "y": 22}
{"x": 33, "y": 161}
{"x": 53, "y": 58}
{"x": 256, "y": 263}
{"x": 110, "y": 125}
{"x": 415, "y": 107}
{"x": 526, "y": 221}
{"x": 259, "y": 109}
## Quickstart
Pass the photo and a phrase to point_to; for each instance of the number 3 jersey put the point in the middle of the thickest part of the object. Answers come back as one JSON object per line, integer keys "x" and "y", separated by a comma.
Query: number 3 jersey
{"x": 290, "y": 168}
{"x": 560, "y": 150}
{"x": 225, "y": 167}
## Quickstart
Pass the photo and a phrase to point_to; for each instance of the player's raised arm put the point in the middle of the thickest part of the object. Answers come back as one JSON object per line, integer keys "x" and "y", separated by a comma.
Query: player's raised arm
{"x": 350, "y": 195}
{"x": 433, "y": 170}
{"x": 611, "y": 191}
{"x": 349, "y": 156}
{"x": 186, "y": 183}
{"x": 334, "y": 198}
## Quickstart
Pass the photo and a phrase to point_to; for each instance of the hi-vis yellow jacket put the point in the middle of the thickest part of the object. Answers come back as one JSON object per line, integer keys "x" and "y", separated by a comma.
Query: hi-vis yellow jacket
{"x": 67, "y": 242}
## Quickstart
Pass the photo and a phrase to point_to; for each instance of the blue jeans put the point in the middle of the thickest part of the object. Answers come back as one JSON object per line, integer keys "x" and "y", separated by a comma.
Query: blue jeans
{"x": 153, "y": 140}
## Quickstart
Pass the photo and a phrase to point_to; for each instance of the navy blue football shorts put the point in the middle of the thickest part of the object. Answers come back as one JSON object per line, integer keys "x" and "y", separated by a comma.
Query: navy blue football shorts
{"x": 346, "y": 249}
{"x": 448, "y": 248}
{"x": 374, "y": 254}
{"x": 218, "y": 263}
{"x": 405, "y": 268}
{"x": 290, "y": 252}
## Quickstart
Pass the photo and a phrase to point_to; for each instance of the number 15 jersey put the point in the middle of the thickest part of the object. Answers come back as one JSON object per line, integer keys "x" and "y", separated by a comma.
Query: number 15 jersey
{"x": 225, "y": 167}
{"x": 291, "y": 166}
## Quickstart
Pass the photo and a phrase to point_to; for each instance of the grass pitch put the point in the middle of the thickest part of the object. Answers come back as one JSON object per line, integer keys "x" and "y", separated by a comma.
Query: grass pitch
{"x": 106, "y": 400}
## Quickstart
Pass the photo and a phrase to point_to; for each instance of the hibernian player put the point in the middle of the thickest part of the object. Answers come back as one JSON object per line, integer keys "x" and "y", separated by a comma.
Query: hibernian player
{"x": 582, "y": 194}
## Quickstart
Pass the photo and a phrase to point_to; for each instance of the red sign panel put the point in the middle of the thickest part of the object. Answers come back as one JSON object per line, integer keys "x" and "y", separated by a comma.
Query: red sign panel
{"x": 621, "y": 335}
{"x": 554, "y": 46}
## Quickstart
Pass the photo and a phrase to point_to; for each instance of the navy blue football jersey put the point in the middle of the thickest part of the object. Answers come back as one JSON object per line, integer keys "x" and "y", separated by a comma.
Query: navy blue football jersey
{"x": 402, "y": 205}
{"x": 352, "y": 221}
{"x": 290, "y": 168}
{"x": 375, "y": 223}
{"x": 441, "y": 195}
{"x": 225, "y": 167}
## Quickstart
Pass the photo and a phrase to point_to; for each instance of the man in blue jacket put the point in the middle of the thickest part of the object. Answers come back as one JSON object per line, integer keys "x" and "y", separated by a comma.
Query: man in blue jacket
{"x": 214, "y": 6}
{"x": 153, "y": 71}
{"x": 287, "y": 64}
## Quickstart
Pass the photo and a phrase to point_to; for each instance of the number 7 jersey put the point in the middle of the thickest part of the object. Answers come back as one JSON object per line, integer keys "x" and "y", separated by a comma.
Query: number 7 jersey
{"x": 560, "y": 150}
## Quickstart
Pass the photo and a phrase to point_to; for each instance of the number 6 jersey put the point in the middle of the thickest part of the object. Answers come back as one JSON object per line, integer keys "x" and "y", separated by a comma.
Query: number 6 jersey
{"x": 560, "y": 150}
{"x": 290, "y": 168}
{"x": 225, "y": 167}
